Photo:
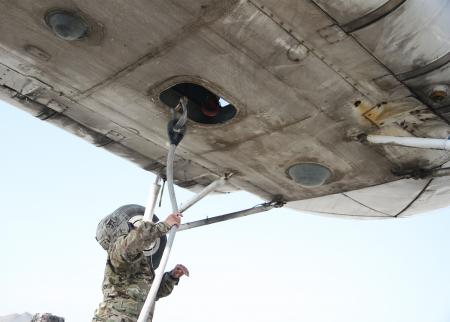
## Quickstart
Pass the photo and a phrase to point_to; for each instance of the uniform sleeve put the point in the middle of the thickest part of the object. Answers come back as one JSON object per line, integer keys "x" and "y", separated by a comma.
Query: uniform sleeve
{"x": 167, "y": 285}
{"x": 128, "y": 248}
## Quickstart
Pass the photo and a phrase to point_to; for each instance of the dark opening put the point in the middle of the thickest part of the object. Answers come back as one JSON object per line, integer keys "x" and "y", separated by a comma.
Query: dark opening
{"x": 203, "y": 105}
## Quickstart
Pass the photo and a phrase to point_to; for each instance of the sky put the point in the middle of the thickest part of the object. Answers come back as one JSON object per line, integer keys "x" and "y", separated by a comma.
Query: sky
{"x": 280, "y": 265}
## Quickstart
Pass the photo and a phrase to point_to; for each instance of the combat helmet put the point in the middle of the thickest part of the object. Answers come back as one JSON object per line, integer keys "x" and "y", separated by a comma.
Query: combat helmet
{"x": 120, "y": 222}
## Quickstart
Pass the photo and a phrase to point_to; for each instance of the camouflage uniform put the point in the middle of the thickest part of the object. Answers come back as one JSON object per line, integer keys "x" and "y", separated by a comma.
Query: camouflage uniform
{"x": 46, "y": 317}
{"x": 128, "y": 275}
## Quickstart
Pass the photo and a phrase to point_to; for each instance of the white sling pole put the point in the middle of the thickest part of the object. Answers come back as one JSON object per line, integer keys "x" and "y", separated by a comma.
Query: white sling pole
{"x": 211, "y": 187}
{"x": 151, "y": 297}
{"x": 152, "y": 197}
{"x": 414, "y": 142}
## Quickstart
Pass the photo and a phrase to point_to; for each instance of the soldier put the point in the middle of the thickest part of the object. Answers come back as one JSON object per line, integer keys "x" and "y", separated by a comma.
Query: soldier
{"x": 129, "y": 271}
{"x": 46, "y": 317}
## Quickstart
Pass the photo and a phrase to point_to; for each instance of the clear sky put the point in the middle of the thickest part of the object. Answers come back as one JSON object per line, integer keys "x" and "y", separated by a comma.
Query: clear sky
{"x": 276, "y": 266}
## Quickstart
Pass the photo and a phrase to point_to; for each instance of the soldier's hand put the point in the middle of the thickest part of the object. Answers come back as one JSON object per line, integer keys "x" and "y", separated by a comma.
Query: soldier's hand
{"x": 174, "y": 219}
{"x": 179, "y": 271}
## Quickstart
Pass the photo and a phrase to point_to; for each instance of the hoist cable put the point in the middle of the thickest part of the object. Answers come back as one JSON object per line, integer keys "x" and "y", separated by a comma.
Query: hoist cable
{"x": 176, "y": 129}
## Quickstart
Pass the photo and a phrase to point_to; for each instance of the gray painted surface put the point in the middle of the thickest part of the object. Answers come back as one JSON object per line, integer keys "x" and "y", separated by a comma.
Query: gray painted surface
{"x": 411, "y": 37}
{"x": 302, "y": 86}
{"x": 345, "y": 11}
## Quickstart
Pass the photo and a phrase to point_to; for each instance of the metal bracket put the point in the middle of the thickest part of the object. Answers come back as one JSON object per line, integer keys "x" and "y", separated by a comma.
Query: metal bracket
{"x": 234, "y": 215}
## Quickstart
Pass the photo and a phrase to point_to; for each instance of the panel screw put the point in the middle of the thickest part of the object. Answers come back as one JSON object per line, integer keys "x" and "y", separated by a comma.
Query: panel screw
{"x": 439, "y": 93}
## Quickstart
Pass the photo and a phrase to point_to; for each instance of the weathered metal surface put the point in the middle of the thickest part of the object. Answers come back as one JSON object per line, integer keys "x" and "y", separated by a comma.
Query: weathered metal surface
{"x": 424, "y": 85}
{"x": 411, "y": 37}
{"x": 345, "y": 11}
{"x": 372, "y": 16}
{"x": 434, "y": 196}
{"x": 431, "y": 67}
{"x": 131, "y": 33}
{"x": 389, "y": 200}
{"x": 294, "y": 77}
{"x": 413, "y": 41}
{"x": 342, "y": 54}
{"x": 352, "y": 15}
{"x": 336, "y": 205}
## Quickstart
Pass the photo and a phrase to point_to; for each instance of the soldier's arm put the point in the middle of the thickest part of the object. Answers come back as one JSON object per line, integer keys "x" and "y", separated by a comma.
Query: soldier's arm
{"x": 167, "y": 285}
{"x": 126, "y": 249}
{"x": 170, "y": 279}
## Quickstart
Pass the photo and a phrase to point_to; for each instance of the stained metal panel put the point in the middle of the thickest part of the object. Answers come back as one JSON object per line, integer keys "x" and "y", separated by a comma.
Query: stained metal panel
{"x": 423, "y": 86}
{"x": 350, "y": 61}
{"x": 411, "y": 37}
{"x": 344, "y": 11}
{"x": 130, "y": 31}
{"x": 436, "y": 196}
{"x": 388, "y": 199}
{"x": 293, "y": 75}
{"x": 336, "y": 204}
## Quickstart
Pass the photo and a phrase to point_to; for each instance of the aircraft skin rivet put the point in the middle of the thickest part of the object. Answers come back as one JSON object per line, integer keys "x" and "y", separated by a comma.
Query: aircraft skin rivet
{"x": 439, "y": 93}
{"x": 297, "y": 53}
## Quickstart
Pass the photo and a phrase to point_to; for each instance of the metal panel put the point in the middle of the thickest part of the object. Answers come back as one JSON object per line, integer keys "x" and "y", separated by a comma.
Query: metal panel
{"x": 301, "y": 86}
{"x": 345, "y": 11}
{"x": 341, "y": 53}
{"x": 411, "y": 37}
{"x": 438, "y": 63}
{"x": 336, "y": 204}
{"x": 373, "y": 16}
{"x": 131, "y": 30}
{"x": 436, "y": 196}
{"x": 390, "y": 198}
{"x": 424, "y": 85}
{"x": 383, "y": 200}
